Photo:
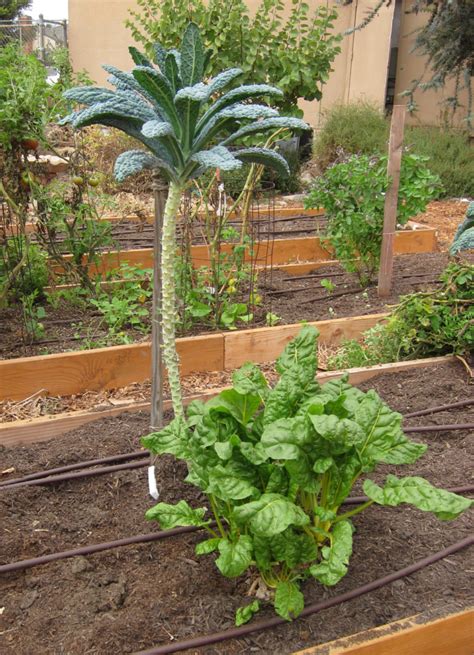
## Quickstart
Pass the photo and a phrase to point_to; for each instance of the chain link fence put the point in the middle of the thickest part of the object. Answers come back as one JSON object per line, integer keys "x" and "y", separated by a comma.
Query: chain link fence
{"x": 39, "y": 37}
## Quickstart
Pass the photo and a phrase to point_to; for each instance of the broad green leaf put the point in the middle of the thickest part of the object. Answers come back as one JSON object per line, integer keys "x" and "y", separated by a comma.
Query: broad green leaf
{"x": 323, "y": 464}
{"x": 418, "y": 492}
{"x": 293, "y": 548}
{"x": 384, "y": 441}
{"x": 244, "y": 614}
{"x": 286, "y": 437}
{"x": 340, "y": 433}
{"x": 301, "y": 473}
{"x": 227, "y": 484}
{"x": 192, "y": 56}
{"x": 270, "y": 514}
{"x": 249, "y": 379}
{"x": 336, "y": 556}
{"x": 342, "y": 476}
{"x": 224, "y": 449}
{"x": 262, "y": 549}
{"x": 172, "y": 439}
{"x": 256, "y": 454}
{"x": 241, "y": 407}
{"x": 289, "y": 601}
{"x": 181, "y": 514}
{"x": 235, "y": 557}
{"x": 207, "y": 546}
{"x": 300, "y": 353}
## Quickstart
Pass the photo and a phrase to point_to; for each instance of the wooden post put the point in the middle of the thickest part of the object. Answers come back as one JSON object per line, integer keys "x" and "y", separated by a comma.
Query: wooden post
{"x": 156, "y": 416}
{"x": 395, "y": 148}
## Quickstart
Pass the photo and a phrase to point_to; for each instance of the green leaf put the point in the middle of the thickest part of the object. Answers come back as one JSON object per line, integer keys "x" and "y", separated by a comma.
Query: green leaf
{"x": 418, "y": 492}
{"x": 171, "y": 70}
{"x": 244, "y": 614}
{"x": 181, "y": 514}
{"x": 241, "y": 407}
{"x": 285, "y": 438}
{"x": 336, "y": 556}
{"x": 139, "y": 58}
{"x": 265, "y": 157}
{"x": 207, "y": 546}
{"x": 226, "y": 483}
{"x": 134, "y": 161}
{"x": 217, "y": 157}
{"x": 385, "y": 441}
{"x": 157, "y": 86}
{"x": 270, "y": 514}
{"x": 340, "y": 433}
{"x": 289, "y": 601}
{"x": 192, "y": 56}
{"x": 300, "y": 353}
{"x": 273, "y": 123}
{"x": 235, "y": 557}
{"x": 224, "y": 449}
{"x": 249, "y": 379}
{"x": 172, "y": 439}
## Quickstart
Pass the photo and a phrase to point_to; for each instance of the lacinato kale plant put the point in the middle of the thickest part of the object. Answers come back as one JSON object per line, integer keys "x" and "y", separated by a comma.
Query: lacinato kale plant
{"x": 187, "y": 123}
{"x": 277, "y": 464}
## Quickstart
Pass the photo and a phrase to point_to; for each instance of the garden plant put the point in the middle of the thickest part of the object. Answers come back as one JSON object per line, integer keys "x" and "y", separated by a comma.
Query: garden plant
{"x": 276, "y": 465}
{"x": 186, "y": 126}
{"x": 352, "y": 193}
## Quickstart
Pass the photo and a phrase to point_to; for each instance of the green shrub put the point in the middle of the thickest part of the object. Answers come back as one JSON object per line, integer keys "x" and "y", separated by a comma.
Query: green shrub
{"x": 358, "y": 128}
{"x": 424, "y": 324}
{"x": 450, "y": 156}
{"x": 353, "y": 195}
{"x": 361, "y": 128}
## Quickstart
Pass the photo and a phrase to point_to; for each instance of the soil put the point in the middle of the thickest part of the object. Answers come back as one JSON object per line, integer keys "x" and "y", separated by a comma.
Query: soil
{"x": 136, "y": 597}
{"x": 292, "y": 299}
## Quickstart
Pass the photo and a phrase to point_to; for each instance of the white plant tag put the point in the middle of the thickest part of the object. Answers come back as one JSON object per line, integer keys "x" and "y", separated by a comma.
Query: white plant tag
{"x": 152, "y": 487}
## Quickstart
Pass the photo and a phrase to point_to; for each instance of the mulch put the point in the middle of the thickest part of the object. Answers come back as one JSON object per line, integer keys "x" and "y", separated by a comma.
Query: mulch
{"x": 134, "y": 598}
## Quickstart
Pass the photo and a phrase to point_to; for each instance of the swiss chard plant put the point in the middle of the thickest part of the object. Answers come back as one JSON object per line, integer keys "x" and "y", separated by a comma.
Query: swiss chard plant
{"x": 186, "y": 124}
{"x": 277, "y": 465}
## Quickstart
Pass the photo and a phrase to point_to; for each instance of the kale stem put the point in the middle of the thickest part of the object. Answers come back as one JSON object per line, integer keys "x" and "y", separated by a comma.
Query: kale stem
{"x": 357, "y": 510}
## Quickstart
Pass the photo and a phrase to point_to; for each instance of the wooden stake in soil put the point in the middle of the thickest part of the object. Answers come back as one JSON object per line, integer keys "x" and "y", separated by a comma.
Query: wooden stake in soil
{"x": 395, "y": 148}
{"x": 156, "y": 416}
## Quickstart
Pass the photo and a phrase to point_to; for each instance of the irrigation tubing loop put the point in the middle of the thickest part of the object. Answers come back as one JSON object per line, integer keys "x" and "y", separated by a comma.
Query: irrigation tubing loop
{"x": 242, "y": 631}
{"x": 146, "y": 538}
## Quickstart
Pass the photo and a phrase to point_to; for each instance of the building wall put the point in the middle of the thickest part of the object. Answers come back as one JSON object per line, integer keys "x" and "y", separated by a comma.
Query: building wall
{"x": 97, "y": 35}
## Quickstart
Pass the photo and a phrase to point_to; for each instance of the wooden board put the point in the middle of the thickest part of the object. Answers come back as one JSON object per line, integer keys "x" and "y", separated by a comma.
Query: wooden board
{"x": 265, "y": 344}
{"x": 46, "y": 427}
{"x": 278, "y": 253}
{"x": 451, "y": 635}
{"x": 70, "y": 373}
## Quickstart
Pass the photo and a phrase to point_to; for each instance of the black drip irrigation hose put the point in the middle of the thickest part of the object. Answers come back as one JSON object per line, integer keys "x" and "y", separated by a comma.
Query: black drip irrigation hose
{"x": 21, "y": 565}
{"x": 242, "y": 631}
{"x": 440, "y": 428}
{"x": 440, "y": 408}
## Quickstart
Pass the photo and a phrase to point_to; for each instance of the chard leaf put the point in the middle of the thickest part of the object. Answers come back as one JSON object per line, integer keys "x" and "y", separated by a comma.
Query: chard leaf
{"x": 235, "y": 557}
{"x": 227, "y": 484}
{"x": 207, "y": 546}
{"x": 323, "y": 464}
{"x": 301, "y": 473}
{"x": 223, "y": 449}
{"x": 277, "y": 481}
{"x": 342, "y": 475}
{"x": 249, "y": 379}
{"x": 285, "y": 438}
{"x": 244, "y": 614}
{"x": 192, "y": 56}
{"x": 300, "y": 353}
{"x": 340, "y": 433}
{"x": 418, "y": 492}
{"x": 181, "y": 514}
{"x": 256, "y": 454}
{"x": 385, "y": 441}
{"x": 270, "y": 514}
{"x": 172, "y": 439}
{"x": 239, "y": 406}
{"x": 336, "y": 556}
{"x": 293, "y": 549}
{"x": 262, "y": 549}
{"x": 289, "y": 601}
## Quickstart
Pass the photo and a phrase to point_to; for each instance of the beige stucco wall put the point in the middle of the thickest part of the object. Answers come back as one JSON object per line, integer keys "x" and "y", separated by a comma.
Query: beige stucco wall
{"x": 97, "y": 35}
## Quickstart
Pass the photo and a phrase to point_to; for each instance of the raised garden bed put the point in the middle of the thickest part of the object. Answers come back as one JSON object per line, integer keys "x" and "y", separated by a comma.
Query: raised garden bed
{"x": 291, "y": 298}
{"x": 128, "y": 599}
